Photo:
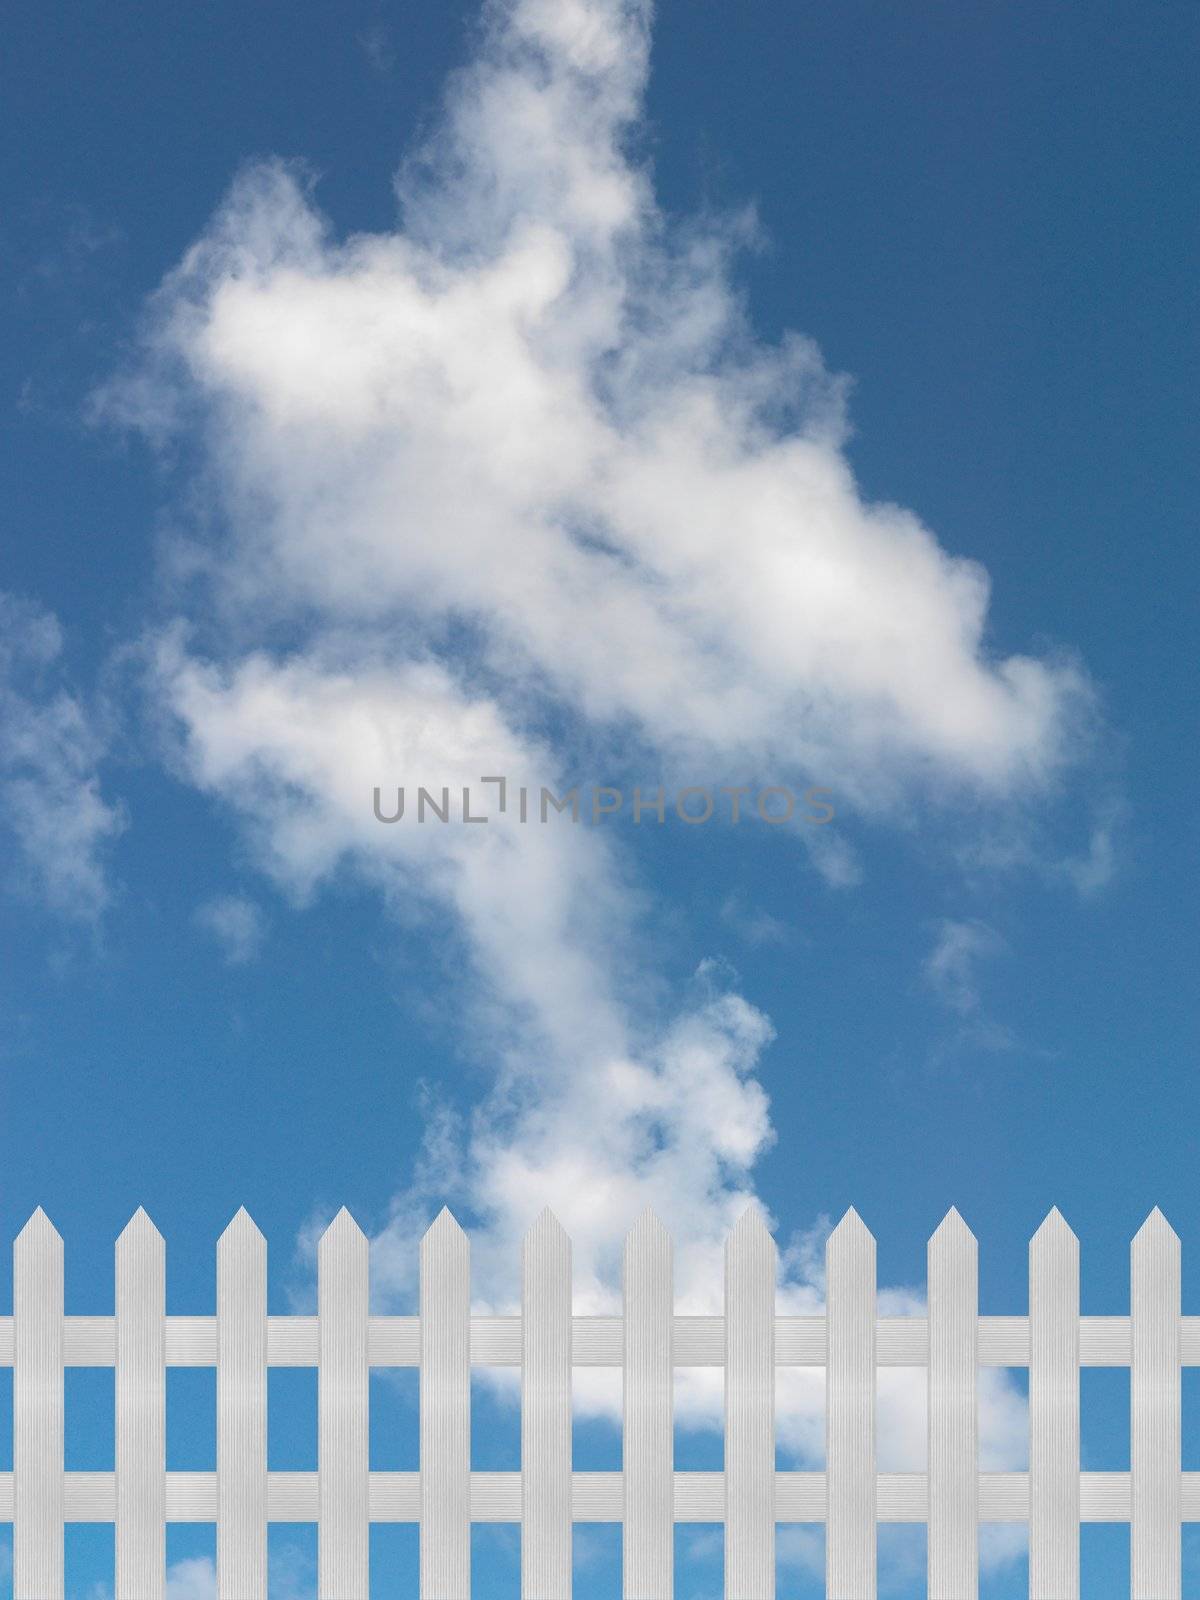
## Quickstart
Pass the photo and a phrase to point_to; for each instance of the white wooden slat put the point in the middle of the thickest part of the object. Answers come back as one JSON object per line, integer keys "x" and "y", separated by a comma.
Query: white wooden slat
{"x": 343, "y": 1537}
{"x": 599, "y": 1496}
{"x": 599, "y": 1341}
{"x": 141, "y": 1412}
{"x": 1155, "y": 1439}
{"x": 953, "y": 1272}
{"x": 1004, "y": 1497}
{"x": 750, "y": 1273}
{"x": 90, "y": 1497}
{"x": 38, "y": 1411}
{"x": 294, "y": 1496}
{"x": 596, "y": 1496}
{"x": 191, "y": 1497}
{"x": 546, "y": 1412}
{"x": 445, "y": 1412}
{"x": 394, "y": 1341}
{"x": 293, "y": 1341}
{"x": 850, "y": 1535}
{"x": 242, "y": 1412}
{"x": 1104, "y": 1497}
{"x": 800, "y": 1496}
{"x": 648, "y": 1442}
{"x": 1004, "y": 1341}
{"x": 396, "y": 1497}
{"x": 496, "y": 1497}
{"x": 1054, "y": 1412}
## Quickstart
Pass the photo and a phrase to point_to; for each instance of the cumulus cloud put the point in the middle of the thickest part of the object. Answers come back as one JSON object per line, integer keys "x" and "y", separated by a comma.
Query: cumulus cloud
{"x": 535, "y": 411}
{"x": 237, "y": 925}
{"x": 508, "y": 488}
{"x": 51, "y": 804}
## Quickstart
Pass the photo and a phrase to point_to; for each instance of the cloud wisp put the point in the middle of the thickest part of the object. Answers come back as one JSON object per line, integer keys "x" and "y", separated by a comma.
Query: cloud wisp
{"x": 510, "y": 484}
{"x": 236, "y": 924}
{"x": 51, "y": 804}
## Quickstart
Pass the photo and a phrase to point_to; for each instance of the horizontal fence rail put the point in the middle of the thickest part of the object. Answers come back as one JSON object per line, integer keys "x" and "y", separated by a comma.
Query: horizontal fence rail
{"x": 648, "y": 1497}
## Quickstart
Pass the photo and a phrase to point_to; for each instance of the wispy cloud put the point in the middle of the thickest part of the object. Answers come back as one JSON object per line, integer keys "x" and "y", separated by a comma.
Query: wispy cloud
{"x": 51, "y": 803}
{"x": 290, "y": 1577}
{"x": 752, "y": 924}
{"x": 237, "y": 924}
{"x": 951, "y": 969}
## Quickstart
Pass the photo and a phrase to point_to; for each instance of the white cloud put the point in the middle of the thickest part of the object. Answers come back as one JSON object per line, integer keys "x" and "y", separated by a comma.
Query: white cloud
{"x": 1095, "y": 868}
{"x": 195, "y": 1577}
{"x": 535, "y": 410}
{"x": 192, "y": 1579}
{"x": 237, "y": 925}
{"x": 951, "y": 968}
{"x": 752, "y": 924}
{"x": 520, "y": 489}
{"x": 51, "y": 803}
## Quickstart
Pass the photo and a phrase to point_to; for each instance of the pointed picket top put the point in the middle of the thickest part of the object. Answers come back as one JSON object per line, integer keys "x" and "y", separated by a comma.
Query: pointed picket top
{"x": 1155, "y": 1230}
{"x": 849, "y": 1240}
{"x": 649, "y": 1229}
{"x": 851, "y": 1226}
{"x": 545, "y": 1229}
{"x": 342, "y": 1228}
{"x": 38, "y": 1230}
{"x": 444, "y": 1226}
{"x": 1055, "y": 1229}
{"x": 750, "y": 1229}
{"x": 242, "y": 1229}
{"x": 138, "y": 1230}
{"x": 952, "y": 1230}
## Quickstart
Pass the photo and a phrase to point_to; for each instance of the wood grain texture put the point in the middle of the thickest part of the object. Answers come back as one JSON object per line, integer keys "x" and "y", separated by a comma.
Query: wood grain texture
{"x": 242, "y": 1412}
{"x": 648, "y": 1446}
{"x": 546, "y": 1412}
{"x": 1155, "y": 1437}
{"x": 141, "y": 1412}
{"x": 38, "y": 1411}
{"x": 953, "y": 1271}
{"x": 750, "y": 1271}
{"x": 1054, "y": 1412}
{"x": 445, "y": 1412}
{"x": 342, "y": 1417}
{"x": 648, "y": 1341}
{"x": 850, "y": 1534}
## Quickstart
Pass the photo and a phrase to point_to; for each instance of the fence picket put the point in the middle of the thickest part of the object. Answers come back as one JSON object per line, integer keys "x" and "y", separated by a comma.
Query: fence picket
{"x": 1054, "y": 1412}
{"x": 38, "y": 1497}
{"x": 242, "y": 1412}
{"x": 953, "y": 1270}
{"x": 750, "y": 1272}
{"x": 850, "y": 1533}
{"x": 141, "y": 1412}
{"x": 1154, "y": 1398}
{"x": 342, "y": 1419}
{"x": 546, "y": 1412}
{"x": 445, "y": 1412}
{"x": 648, "y": 1444}
{"x": 1155, "y": 1341}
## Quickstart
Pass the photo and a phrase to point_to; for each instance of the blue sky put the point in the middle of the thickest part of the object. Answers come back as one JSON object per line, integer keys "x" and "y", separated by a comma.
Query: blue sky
{"x": 578, "y": 450}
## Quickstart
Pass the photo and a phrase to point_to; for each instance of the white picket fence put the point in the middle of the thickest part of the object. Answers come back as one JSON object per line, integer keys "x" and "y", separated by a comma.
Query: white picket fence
{"x": 648, "y": 1497}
